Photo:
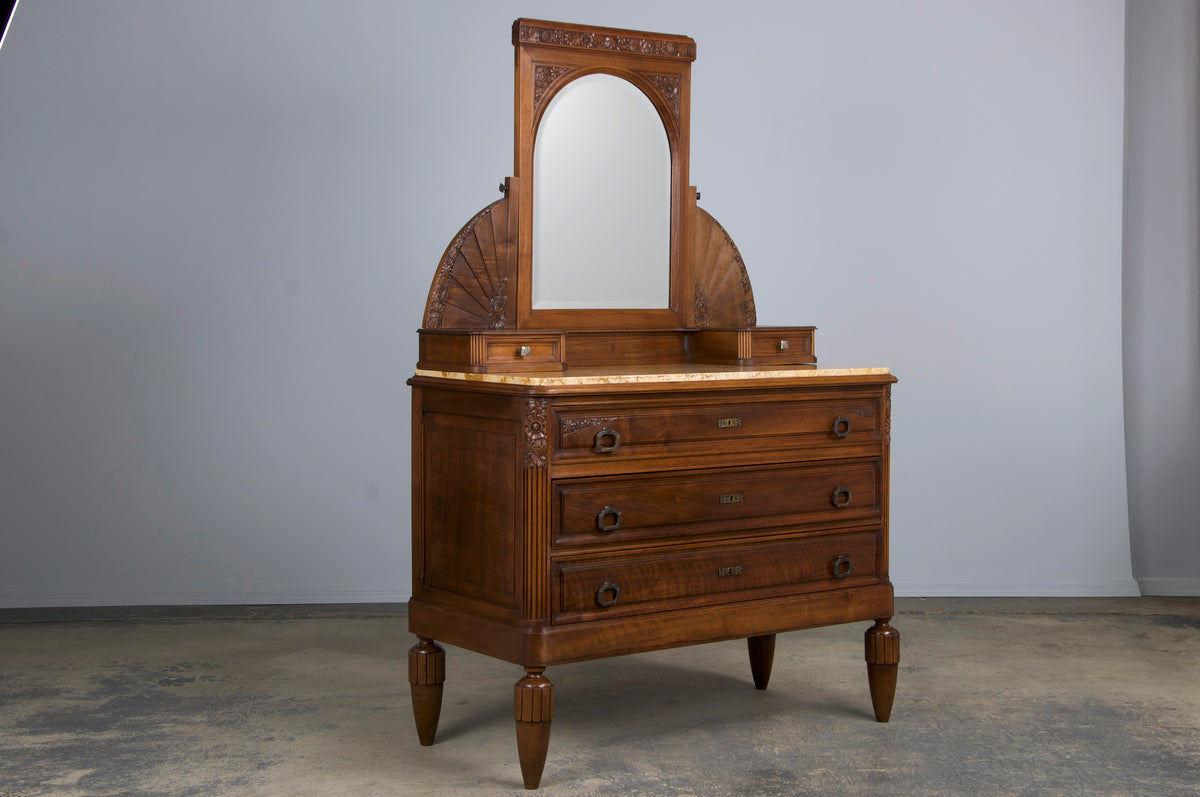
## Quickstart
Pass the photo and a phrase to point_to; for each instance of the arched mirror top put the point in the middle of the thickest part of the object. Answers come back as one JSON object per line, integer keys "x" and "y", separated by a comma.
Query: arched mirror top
{"x": 661, "y": 93}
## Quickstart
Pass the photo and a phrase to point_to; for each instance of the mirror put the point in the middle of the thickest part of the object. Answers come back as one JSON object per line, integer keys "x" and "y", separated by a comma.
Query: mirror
{"x": 601, "y": 199}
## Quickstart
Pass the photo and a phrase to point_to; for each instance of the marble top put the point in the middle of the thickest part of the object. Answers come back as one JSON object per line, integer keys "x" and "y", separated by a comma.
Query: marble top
{"x": 634, "y": 375}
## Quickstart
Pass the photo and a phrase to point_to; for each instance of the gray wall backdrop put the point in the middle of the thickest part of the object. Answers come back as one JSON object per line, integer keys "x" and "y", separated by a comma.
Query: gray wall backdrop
{"x": 219, "y": 221}
{"x": 1162, "y": 294}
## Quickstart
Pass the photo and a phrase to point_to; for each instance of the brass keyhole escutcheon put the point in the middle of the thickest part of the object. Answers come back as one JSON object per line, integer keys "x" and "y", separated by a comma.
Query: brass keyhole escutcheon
{"x": 842, "y": 566}
{"x": 841, "y": 497}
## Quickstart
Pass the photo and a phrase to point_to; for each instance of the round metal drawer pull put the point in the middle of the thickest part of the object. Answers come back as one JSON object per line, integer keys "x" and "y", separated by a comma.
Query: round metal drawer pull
{"x": 841, "y": 426}
{"x": 608, "y": 519}
{"x": 607, "y": 441}
{"x": 842, "y": 566}
{"x": 525, "y": 351}
{"x": 608, "y": 589}
{"x": 841, "y": 496}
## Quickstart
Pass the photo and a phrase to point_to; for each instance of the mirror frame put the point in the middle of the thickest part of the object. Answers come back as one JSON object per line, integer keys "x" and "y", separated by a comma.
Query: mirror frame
{"x": 549, "y": 55}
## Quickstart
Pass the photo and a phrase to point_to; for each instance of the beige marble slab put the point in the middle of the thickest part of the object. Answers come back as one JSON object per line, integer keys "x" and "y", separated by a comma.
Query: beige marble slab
{"x": 650, "y": 375}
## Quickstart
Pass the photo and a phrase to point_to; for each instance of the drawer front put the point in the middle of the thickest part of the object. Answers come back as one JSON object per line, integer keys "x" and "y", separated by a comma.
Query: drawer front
{"x": 587, "y": 589}
{"x": 522, "y": 352}
{"x": 717, "y": 427}
{"x": 781, "y": 345}
{"x": 598, "y": 510}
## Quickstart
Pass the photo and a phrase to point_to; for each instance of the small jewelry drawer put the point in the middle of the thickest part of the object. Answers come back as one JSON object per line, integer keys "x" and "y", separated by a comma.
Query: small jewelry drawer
{"x": 591, "y": 588}
{"x": 522, "y": 352}
{"x": 495, "y": 351}
{"x": 754, "y": 346}
{"x": 607, "y": 509}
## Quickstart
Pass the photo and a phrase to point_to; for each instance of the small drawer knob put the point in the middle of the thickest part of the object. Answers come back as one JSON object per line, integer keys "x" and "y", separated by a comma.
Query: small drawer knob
{"x": 608, "y": 519}
{"x": 842, "y": 566}
{"x": 607, "y": 441}
{"x": 841, "y": 497}
{"x": 608, "y": 594}
{"x": 525, "y": 351}
{"x": 783, "y": 345}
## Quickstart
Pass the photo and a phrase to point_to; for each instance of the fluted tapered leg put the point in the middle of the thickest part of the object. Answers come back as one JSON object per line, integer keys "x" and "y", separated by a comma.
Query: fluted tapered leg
{"x": 533, "y": 709}
{"x": 426, "y": 675}
{"x": 883, "y": 664}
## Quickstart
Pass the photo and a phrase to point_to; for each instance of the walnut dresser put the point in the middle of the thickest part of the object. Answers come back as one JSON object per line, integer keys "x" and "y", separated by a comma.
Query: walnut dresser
{"x": 595, "y": 481}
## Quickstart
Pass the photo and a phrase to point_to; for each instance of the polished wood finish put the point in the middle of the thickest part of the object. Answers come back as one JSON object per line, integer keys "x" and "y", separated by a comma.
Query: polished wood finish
{"x": 549, "y": 55}
{"x": 883, "y": 666}
{"x": 747, "y": 508}
{"x": 426, "y": 676}
{"x": 533, "y": 710}
{"x": 589, "y": 484}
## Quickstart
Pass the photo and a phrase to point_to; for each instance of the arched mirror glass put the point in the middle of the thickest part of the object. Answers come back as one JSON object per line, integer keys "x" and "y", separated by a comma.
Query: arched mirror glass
{"x": 601, "y": 199}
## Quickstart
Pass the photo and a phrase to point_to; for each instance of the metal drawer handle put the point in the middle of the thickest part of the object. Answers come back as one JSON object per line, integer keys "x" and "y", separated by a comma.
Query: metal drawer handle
{"x": 524, "y": 351}
{"x": 841, "y": 496}
{"x": 783, "y": 345}
{"x": 602, "y": 521}
{"x": 606, "y": 434}
{"x": 842, "y": 566}
{"x": 841, "y": 426}
{"x": 605, "y": 590}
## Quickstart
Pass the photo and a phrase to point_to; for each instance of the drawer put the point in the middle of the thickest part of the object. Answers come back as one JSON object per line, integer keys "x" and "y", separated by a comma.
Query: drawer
{"x": 586, "y": 589}
{"x": 495, "y": 351}
{"x": 758, "y": 346}
{"x": 526, "y": 352}
{"x": 690, "y": 502}
{"x": 781, "y": 345}
{"x": 713, "y": 428}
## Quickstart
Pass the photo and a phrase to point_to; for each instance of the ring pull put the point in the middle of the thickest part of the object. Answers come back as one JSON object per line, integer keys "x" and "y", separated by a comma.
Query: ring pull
{"x": 603, "y": 521}
{"x": 607, "y": 441}
{"x": 841, "y": 497}
{"x": 607, "y": 589}
{"x": 842, "y": 566}
{"x": 841, "y": 426}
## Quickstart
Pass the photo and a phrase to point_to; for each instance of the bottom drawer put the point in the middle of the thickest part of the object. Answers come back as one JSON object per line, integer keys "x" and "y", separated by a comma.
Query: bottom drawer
{"x": 587, "y": 588}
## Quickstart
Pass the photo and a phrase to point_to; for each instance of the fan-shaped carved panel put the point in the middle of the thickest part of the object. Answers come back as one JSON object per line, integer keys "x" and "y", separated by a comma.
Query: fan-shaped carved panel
{"x": 470, "y": 288}
{"x": 722, "y": 293}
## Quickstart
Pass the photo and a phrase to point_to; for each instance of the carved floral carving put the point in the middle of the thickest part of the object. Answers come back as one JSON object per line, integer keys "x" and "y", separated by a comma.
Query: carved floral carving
{"x": 590, "y": 40}
{"x": 543, "y": 78}
{"x": 887, "y": 415}
{"x": 568, "y": 425}
{"x": 701, "y": 306}
{"x": 668, "y": 87}
{"x": 535, "y": 433}
{"x": 497, "y": 305}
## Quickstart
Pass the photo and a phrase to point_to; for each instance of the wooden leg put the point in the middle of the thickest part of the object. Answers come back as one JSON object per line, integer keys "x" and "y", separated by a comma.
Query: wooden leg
{"x": 533, "y": 709}
{"x": 426, "y": 675}
{"x": 762, "y": 654}
{"x": 883, "y": 664}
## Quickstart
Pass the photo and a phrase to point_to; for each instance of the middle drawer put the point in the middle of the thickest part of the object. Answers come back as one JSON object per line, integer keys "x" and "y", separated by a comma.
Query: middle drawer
{"x": 612, "y": 509}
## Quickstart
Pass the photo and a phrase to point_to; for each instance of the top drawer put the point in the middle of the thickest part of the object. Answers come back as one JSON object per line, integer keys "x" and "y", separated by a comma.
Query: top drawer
{"x": 593, "y": 433}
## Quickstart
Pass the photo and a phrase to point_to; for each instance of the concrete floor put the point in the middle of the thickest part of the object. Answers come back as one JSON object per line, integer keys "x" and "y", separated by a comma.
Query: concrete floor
{"x": 1074, "y": 697}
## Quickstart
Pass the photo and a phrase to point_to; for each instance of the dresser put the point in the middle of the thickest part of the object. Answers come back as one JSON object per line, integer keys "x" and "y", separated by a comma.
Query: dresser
{"x": 593, "y": 482}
